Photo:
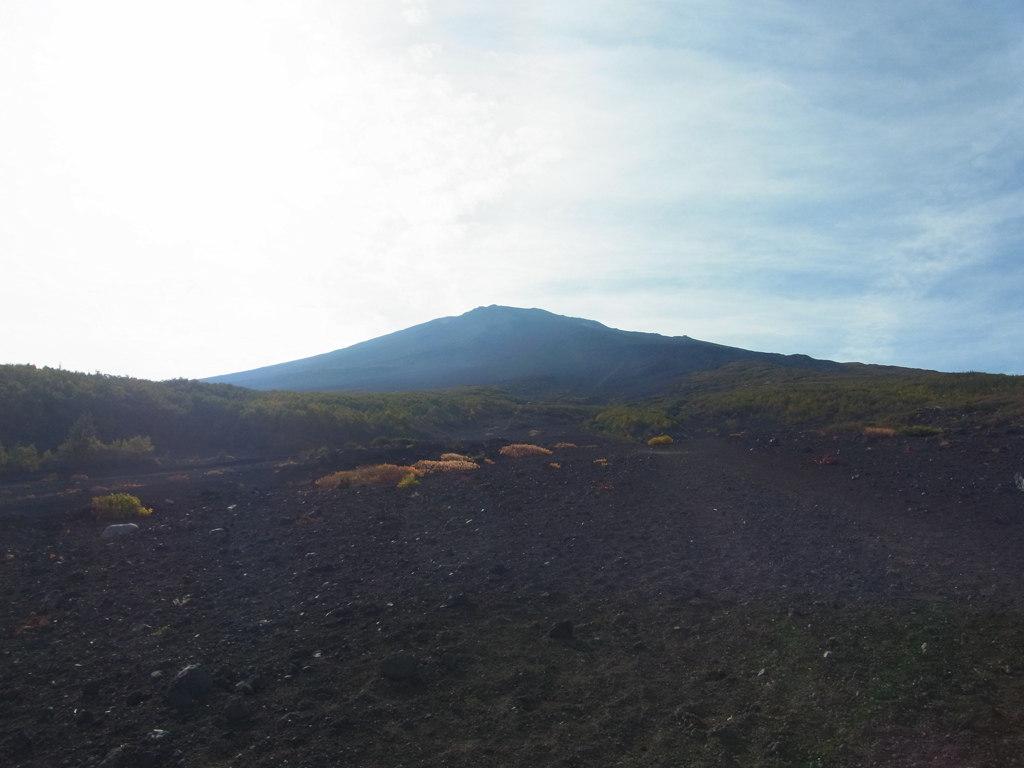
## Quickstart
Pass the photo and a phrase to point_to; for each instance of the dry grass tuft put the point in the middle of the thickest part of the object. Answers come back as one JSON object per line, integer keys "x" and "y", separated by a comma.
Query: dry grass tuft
{"x": 879, "y": 432}
{"x": 524, "y": 449}
{"x": 380, "y": 473}
{"x": 565, "y": 445}
{"x": 455, "y": 457}
{"x": 426, "y": 466}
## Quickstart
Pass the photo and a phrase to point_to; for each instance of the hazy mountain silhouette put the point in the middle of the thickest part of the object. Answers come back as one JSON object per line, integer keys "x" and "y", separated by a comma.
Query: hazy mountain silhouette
{"x": 528, "y": 350}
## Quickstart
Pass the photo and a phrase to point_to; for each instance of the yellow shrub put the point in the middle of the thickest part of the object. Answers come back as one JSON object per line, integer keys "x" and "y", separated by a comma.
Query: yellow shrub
{"x": 524, "y": 449}
{"x": 380, "y": 473}
{"x": 446, "y": 465}
{"x": 117, "y": 505}
{"x": 454, "y": 457}
{"x": 660, "y": 440}
{"x": 565, "y": 445}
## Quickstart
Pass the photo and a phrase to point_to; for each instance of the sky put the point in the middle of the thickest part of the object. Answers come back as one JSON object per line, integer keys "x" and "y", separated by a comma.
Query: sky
{"x": 208, "y": 186}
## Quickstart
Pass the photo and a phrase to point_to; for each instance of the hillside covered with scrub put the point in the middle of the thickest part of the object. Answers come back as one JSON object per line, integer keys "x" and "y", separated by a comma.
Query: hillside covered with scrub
{"x": 53, "y": 420}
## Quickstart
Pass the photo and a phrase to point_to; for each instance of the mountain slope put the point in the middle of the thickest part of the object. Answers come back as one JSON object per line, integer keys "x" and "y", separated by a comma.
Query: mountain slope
{"x": 528, "y": 350}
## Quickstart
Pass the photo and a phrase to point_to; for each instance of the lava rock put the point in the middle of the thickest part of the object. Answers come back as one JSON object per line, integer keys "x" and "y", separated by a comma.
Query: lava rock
{"x": 120, "y": 529}
{"x": 189, "y": 685}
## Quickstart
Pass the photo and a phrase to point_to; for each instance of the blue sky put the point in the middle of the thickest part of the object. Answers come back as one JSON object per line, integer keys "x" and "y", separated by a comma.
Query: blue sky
{"x": 196, "y": 188}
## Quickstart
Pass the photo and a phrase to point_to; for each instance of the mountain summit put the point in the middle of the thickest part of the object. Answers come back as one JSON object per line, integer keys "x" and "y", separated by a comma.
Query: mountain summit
{"x": 529, "y": 350}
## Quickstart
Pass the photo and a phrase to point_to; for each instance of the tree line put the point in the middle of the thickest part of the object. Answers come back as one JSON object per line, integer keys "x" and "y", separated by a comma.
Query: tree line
{"x": 67, "y": 420}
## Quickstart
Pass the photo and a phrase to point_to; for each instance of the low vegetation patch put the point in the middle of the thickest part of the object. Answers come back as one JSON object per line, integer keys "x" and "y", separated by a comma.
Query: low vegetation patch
{"x": 426, "y": 466}
{"x": 115, "y": 506}
{"x": 375, "y": 475}
{"x": 655, "y": 442}
{"x": 524, "y": 449}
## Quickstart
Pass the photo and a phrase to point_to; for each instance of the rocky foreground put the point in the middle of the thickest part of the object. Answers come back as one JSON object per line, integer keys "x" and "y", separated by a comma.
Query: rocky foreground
{"x": 755, "y": 600}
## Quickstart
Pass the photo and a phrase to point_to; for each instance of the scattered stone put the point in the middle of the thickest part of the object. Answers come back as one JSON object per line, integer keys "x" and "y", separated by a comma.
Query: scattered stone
{"x": 400, "y": 668}
{"x": 84, "y": 718}
{"x": 120, "y": 529}
{"x": 189, "y": 685}
{"x": 563, "y": 630}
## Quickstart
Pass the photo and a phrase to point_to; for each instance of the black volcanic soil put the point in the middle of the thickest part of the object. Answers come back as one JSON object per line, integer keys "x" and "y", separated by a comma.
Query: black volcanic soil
{"x": 725, "y": 601}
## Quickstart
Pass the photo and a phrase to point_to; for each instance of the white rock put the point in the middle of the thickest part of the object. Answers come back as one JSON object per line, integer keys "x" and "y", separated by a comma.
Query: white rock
{"x": 119, "y": 530}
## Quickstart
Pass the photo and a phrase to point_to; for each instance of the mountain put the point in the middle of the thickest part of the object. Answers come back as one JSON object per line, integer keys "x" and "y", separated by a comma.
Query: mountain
{"x": 527, "y": 350}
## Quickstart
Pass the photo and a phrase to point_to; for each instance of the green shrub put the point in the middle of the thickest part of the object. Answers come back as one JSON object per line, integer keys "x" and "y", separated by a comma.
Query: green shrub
{"x": 21, "y": 458}
{"x": 117, "y": 505}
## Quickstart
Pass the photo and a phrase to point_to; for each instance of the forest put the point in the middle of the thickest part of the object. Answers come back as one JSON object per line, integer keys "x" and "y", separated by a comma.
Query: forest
{"x": 56, "y": 420}
{"x": 62, "y": 420}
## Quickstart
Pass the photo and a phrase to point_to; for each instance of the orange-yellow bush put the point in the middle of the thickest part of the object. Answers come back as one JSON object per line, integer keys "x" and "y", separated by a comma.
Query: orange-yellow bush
{"x": 427, "y": 466}
{"x": 879, "y": 432}
{"x": 565, "y": 445}
{"x": 117, "y": 505}
{"x": 381, "y": 473}
{"x": 454, "y": 457}
{"x": 524, "y": 449}
{"x": 660, "y": 440}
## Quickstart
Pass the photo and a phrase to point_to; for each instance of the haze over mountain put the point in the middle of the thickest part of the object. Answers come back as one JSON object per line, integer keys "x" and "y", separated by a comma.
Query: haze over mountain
{"x": 529, "y": 350}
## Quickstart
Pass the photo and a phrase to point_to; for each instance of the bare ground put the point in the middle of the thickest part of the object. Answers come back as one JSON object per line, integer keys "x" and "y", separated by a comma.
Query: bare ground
{"x": 756, "y": 600}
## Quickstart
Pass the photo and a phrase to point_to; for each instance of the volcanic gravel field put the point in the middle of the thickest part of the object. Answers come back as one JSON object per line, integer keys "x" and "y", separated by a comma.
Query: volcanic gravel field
{"x": 753, "y": 600}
